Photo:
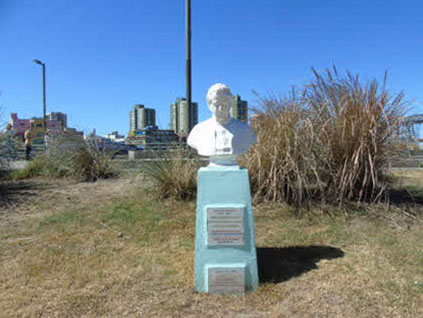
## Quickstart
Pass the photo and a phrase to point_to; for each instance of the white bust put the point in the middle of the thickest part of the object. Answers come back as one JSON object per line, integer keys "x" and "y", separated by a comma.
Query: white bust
{"x": 221, "y": 137}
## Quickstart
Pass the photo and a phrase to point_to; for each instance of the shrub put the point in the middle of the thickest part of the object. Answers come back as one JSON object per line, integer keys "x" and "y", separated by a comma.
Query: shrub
{"x": 333, "y": 140}
{"x": 7, "y": 153}
{"x": 71, "y": 157}
{"x": 34, "y": 168}
{"x": 4, "y": 169}
{"x": 174, "y": 174}
{"x": 79, "y": 159}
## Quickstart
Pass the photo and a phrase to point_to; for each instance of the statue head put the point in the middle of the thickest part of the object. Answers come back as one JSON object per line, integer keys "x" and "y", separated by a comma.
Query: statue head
{"x": 219, "y": 100}
{"x": 224, "y": 142}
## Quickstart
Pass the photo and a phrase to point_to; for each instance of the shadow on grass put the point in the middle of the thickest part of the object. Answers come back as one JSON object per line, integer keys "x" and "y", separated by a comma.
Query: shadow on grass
{"x": 16, "y": 192}
{"x": 406, "y": 195}
{"x": 276, "y": 265}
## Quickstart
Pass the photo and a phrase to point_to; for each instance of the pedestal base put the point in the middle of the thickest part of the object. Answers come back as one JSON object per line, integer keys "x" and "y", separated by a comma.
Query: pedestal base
{"x": 225, "y": 251}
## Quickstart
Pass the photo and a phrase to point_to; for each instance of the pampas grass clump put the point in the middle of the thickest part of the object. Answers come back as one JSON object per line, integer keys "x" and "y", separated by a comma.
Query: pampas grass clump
{"x": 174, "y": 174}
{"x": 332, "y": 141}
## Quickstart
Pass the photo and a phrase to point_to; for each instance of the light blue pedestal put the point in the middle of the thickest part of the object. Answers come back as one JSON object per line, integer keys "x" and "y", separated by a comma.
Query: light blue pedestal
{"x": 225, "y": 250}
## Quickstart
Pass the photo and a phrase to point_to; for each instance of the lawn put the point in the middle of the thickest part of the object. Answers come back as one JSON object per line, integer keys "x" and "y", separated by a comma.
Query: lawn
{"x": 109, "y": 249}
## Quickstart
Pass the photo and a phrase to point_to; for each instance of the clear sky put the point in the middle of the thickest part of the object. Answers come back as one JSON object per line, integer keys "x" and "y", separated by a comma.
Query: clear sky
{"x": 104, "y": 56}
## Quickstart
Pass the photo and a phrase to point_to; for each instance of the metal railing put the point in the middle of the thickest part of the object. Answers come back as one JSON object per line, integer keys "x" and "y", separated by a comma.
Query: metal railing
{"x": 16, "y": 151}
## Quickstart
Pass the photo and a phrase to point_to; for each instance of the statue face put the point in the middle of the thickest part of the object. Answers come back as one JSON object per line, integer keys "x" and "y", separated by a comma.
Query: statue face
{"x": 220, "y": 107}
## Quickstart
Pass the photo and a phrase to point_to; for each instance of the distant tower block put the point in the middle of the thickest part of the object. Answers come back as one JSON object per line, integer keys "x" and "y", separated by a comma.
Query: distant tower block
{"x": 182, "y": 117}
{"x": 141, "y": 117}
{"x": 239, "y": 109}
{"x": 58, "y": 116}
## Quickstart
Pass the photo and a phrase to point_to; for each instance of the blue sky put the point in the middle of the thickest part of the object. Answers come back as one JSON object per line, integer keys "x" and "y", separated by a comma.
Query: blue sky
{"x": 104, "y": 56}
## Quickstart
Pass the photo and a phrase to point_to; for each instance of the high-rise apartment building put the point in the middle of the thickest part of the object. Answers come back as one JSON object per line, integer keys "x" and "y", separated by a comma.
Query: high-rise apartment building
{"x": 182, "y": 117}
{"x": 59, "y": 117}
{"x": 239, "y": 109}
{"x": 141, "y": 117}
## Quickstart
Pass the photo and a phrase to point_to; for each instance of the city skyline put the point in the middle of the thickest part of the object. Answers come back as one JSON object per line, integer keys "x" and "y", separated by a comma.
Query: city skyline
{"x": 142, "y": 117}
{"x": 102, "y": 57}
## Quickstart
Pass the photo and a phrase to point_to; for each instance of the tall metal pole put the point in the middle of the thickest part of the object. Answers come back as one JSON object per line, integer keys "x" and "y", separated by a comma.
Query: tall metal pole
{"x": 188, "y": 51}
{"x": 44, "y": 98}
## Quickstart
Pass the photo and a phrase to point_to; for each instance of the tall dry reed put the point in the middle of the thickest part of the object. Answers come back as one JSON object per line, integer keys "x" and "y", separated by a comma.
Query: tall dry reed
{"x": 332, "y": 141}
{"x": 285, "y": 164}
{"x": 357, "y": 121}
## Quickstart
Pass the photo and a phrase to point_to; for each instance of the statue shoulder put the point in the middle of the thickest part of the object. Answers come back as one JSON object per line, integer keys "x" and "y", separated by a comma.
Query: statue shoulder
{"x": 245, "y": 131}
{"x": 201, "y": 127}
{"x": 197, "y": 133}
{"x": 241, "y": 125}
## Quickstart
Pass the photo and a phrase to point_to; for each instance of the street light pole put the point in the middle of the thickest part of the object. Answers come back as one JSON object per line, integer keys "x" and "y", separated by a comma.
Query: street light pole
{"x": 44, "y": 93}
{"x": 44, "y": 97}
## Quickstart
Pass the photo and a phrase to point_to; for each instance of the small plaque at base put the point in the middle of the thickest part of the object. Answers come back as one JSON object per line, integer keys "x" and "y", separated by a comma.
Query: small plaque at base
{"x": 226, "y": 280}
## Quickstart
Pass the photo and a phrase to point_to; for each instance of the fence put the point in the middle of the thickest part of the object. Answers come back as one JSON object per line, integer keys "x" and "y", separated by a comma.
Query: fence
{"x": 16, "y": 151}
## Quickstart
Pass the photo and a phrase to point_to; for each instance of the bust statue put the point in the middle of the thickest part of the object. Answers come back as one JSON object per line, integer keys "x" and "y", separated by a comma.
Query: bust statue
{"x": 221, "y": 137}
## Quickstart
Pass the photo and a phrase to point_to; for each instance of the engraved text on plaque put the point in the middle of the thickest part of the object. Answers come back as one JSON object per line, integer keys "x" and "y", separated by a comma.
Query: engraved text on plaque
{"x": 225, "y": 226}
{"x": 226, "y": 280}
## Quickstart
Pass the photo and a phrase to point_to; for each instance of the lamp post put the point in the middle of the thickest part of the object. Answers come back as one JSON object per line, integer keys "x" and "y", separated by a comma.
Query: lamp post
{"x": 44, "y": 92}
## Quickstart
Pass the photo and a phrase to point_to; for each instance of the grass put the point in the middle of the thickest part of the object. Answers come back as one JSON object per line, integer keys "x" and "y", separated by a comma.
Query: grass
{"x": 409, "y": 177}
{"x": 106, "y": 249}
{"x": 63, "y": 219}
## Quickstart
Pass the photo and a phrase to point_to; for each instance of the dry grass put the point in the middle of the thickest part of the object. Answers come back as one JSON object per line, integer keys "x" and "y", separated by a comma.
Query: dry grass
{"x": 408, "y": 176}
{"x": 71, "y": 157}
{"x": 174, "y": 174}
{"x": 333, "y": 140}
{"x": 357, "y": 122}
{"x": 106, "y": 249}
{"x": 285, "y": 165}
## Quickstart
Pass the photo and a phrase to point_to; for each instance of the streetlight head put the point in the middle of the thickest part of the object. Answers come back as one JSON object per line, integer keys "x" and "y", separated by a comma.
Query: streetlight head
{"x": 38, "y": 62}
